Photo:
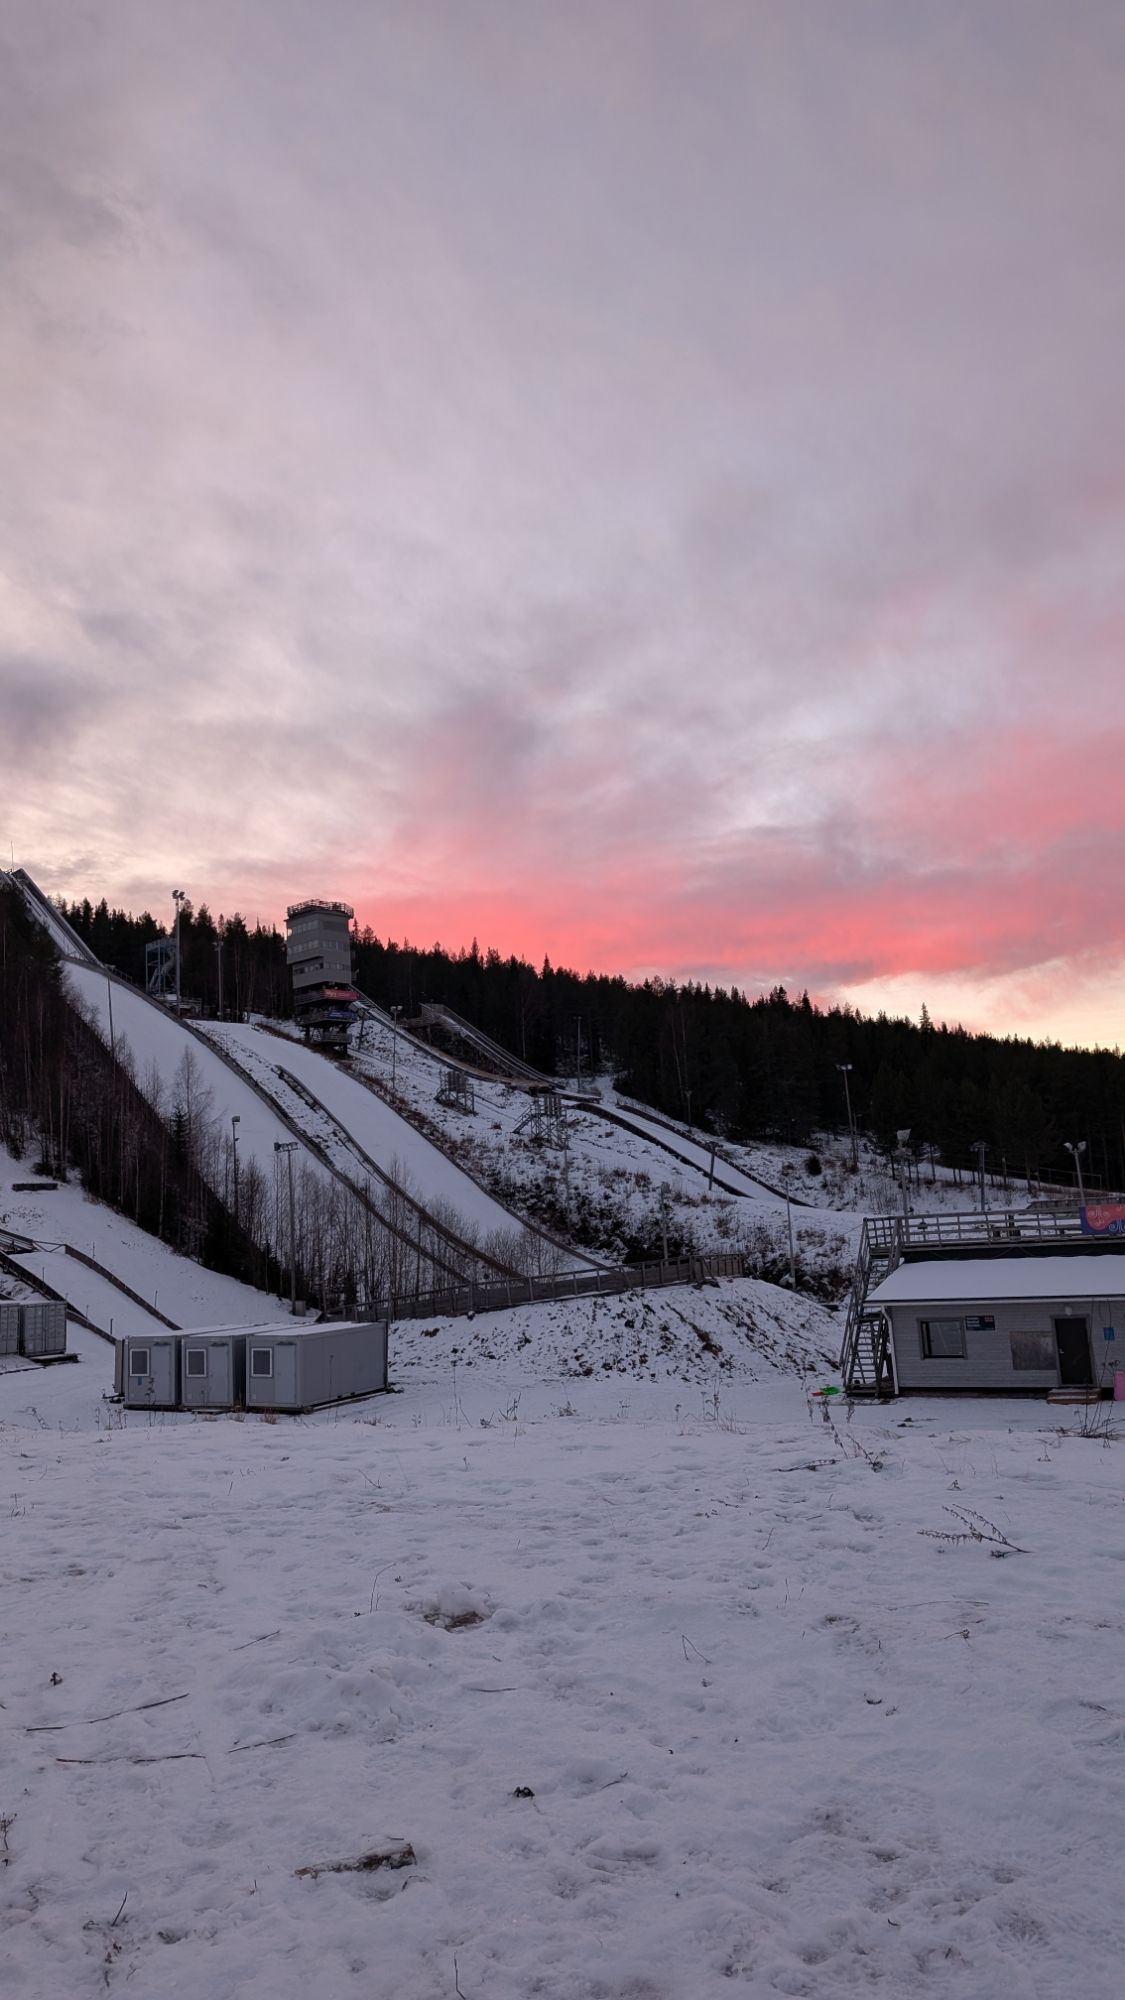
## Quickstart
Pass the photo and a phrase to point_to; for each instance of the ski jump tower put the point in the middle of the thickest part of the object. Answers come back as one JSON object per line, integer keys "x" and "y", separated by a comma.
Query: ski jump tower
{"x": 319, "y": 953}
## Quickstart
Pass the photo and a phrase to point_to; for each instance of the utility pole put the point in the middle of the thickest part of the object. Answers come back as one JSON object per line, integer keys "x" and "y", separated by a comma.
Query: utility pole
{"x": 785, "y": 1173}
{"x": 395, "y": 1012}
{"x": 578, "y": 1055}
{"x": 902, "y": 1158}
{"x": 665, "y": 1190}
{"x": 1076, "y": 1151}
{"x": 219, "y": 956}
{"x": 178, "y": 898}
{"x": 980, "y": 1148}
{"x": 234, "y": 1123}
{"x": 845, "y": 1070}
{"x": 289, "y": 1147}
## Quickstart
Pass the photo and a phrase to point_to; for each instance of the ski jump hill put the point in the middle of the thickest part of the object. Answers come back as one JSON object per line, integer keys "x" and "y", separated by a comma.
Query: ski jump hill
{"x": 269, "y": 1090}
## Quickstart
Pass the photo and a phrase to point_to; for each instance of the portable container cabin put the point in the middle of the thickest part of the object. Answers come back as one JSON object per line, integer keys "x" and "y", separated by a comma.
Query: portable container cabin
{"x": 1023, "y": 1322}
{"x": 299, "y": 1368}
{"x": 213, "y": 1369}
{"x": 36, "y": 1328}
{"x": 151, "y": 1371}
{"x": 10, "y": 1322}
{"x": 43, "y": 1332}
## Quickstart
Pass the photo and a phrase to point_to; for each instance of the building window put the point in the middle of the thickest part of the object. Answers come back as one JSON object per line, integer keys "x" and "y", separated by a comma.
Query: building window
{"x": 196, "y": 1361}
{"x": 1034, "y": 1350}
{"x": 140, "y": 1361}
{"x": 261, "y": 1361}
{"x": 942, "y": 1339}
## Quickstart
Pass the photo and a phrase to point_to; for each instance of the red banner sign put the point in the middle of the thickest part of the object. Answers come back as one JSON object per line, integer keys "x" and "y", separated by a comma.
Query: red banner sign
{"x": 1107, "y": 1218}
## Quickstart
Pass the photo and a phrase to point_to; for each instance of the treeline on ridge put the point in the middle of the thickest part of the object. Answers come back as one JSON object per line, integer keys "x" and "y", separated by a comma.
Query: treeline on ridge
{"x": 764, "y": 1068}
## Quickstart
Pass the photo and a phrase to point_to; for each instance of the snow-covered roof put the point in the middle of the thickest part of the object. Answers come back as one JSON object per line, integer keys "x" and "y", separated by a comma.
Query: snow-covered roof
{"x": 1094, "y": 1277}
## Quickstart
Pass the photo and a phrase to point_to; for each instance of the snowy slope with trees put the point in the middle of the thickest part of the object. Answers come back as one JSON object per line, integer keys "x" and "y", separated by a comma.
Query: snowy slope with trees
{"x": 179, "y": 1287}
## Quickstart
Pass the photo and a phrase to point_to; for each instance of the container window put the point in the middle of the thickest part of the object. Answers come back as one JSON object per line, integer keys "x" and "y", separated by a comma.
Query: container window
{"x": 942, "y": 1339}
{"x": 140, "y": 1361}
{"x": 261, "y": 1361}
{"x": 1034, "y": 1350}
{"x": 195, "y": 1361}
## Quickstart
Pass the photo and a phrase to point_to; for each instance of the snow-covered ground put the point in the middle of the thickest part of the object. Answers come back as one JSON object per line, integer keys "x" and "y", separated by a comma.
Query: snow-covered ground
{"x": 674, "y": 1690}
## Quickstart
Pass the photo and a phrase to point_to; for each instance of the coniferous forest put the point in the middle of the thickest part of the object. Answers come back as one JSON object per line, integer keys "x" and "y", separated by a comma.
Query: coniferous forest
{"x": 765, "y": 1067}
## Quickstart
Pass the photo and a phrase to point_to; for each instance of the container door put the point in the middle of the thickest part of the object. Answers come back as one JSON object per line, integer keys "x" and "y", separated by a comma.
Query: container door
{"x": 9, "y": 1329}
{"x": 139, "y": 1384}
{"x": 219, "y": 1390}
{"x": 195, "y": 1361}
{"x": 163, "y": 1371}
{"x": 1072, "y": 1337}
{"x": 285, "y": 1374}
{"x": 259, "y": 1374}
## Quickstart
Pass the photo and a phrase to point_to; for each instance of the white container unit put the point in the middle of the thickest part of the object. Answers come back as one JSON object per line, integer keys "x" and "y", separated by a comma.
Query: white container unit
{"x": 291, "y": 1368}
{"x": 10, "y": 1322}
{"x": 37, "y": 1329}
{"x": 213, "y": 1369}
{"x": 151, "y": 1371}
{"x": 44, "y": 1328}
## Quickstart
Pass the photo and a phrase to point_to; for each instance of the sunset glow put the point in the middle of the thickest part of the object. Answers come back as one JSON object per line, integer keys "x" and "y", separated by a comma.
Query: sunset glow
{"x": 636, "y": 485}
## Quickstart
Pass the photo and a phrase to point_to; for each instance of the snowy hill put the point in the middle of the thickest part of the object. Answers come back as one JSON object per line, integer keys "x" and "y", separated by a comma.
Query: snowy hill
{"x": 65, "y": 1219}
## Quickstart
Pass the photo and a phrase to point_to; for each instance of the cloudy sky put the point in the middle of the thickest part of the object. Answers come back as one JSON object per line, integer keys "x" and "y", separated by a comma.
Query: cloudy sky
{"x": 636, "y": 481}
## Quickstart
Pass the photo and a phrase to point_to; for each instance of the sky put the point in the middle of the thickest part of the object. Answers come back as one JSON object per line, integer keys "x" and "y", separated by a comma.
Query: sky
{"x": 641, "y": 484}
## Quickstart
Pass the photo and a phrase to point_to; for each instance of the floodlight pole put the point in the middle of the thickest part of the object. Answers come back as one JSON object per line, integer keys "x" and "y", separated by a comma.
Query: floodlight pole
{"x": 177, "y": 898}
{"x": 289, "y": 1147}
{"x": 234, "y": 1124}
{"x": 785, "y": 1173}
{"x": 980, "y": 1148}
{"x": 219, "y": 956}
{"x": 395, "y": 1012}
{"x": 1076, "y": 1151}
{"x": 845, "y": 1071}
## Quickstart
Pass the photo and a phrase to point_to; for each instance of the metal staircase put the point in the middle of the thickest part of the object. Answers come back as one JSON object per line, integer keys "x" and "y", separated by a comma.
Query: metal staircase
{"x": 865, "y": 1358}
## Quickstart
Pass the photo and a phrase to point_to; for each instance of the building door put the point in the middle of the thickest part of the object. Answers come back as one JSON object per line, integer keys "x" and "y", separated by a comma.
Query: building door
{"x": 285, "y": 1374}
{"x": 219, "y": 1385}
{"x": 1072, "y": 1338}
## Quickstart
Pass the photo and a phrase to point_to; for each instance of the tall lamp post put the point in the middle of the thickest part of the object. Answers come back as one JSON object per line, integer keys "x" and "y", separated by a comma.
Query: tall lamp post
{"x": 178, "y": 899}
{"x": 289, "y": 1147}
{"x": 1076, "y": 1151}
{"x": 785, "y": 1173}
{"x": 234, "y": 1124}
{"x": 980, "y": 1148}
{"x": 395, "y": 1012}
{"x": 902, "y": 1156}
{"x": 845, "y": 1070}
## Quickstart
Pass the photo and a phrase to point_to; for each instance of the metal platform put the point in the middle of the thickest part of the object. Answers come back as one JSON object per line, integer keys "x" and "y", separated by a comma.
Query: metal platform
{"x": 866, "y": 1363}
